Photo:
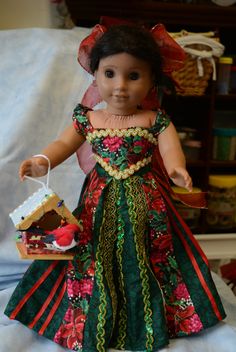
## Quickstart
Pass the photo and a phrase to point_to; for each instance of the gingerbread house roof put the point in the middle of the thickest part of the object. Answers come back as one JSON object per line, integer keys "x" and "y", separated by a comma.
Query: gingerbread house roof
{"x": 37, "y": 205}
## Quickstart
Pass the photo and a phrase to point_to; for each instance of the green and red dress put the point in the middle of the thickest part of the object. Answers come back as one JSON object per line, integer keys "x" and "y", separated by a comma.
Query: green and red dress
{"x": 138, "y": 277}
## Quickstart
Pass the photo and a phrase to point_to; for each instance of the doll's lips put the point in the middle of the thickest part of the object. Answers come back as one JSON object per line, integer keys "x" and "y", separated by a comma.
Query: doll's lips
{"x": 120, "y": 97}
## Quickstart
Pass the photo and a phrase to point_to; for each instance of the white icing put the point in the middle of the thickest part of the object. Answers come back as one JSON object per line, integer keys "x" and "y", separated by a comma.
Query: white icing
{"x": 35, "y": 201}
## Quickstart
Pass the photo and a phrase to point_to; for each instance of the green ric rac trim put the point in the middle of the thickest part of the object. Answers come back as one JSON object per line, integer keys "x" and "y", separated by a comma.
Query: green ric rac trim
{"x": 104, "y": 258}
{"x": 102, "y": 305}
{"x": 137, "y": 210}
{"x": 123, "y": 310}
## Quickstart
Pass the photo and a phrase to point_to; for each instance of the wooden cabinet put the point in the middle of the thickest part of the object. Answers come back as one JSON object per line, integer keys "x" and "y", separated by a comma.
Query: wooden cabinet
{"x": 204, "y": 113}
{"x": 199, "y": 114}
{"x": 176, "y": 13}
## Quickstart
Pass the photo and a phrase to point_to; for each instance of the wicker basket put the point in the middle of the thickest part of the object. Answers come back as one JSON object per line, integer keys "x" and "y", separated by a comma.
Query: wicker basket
{"x": 188, "y": 80}
{"x": 199, "y": 67}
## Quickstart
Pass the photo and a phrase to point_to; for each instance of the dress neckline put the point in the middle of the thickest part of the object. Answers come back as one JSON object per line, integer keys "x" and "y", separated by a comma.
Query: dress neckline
{"x": 91, "y": 127}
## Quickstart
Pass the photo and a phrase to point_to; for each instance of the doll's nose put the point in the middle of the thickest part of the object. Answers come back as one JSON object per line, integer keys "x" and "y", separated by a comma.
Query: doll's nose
{"x": 121, "y": 83}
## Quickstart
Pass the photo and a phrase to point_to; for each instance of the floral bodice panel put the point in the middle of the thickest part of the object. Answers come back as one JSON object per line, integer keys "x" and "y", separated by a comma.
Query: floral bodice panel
{"x": 121, "y": 152}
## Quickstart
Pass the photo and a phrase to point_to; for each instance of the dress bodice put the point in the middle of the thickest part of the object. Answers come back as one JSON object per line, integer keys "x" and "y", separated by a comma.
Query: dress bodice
{"x": 121, "y": 152}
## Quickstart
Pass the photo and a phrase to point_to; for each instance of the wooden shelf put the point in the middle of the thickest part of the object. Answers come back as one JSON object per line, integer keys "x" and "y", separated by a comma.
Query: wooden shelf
{"x": 225, "y": 97}
{"x": 150, "y": 11}
{"x": 196, "y": 163}
{"x": 227, "y": 100}
{"x": 224, "y": 164}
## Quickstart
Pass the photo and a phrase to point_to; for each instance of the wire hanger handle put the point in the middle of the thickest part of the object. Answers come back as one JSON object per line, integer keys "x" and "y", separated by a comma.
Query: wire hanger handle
{"x": 48, "y": 173}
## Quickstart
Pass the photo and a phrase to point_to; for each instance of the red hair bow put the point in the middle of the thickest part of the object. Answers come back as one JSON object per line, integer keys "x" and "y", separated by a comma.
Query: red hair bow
{"x": 87, "y": 44}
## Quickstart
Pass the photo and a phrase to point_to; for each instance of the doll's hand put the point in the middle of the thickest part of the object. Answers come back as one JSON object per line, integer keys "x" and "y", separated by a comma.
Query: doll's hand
{"x": 34, "y": 167}
{"x": 181, "y": 178}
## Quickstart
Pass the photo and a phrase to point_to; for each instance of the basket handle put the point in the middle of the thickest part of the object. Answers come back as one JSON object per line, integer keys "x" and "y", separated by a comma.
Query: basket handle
{"x": 199, "y": 53}
{"x": 46, "y": 186}
{"x": 204, "y": 54}
{"x": 216, "y": 49}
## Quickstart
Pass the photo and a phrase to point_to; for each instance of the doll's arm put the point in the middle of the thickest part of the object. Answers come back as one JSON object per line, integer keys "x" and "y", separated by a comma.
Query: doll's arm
{"x": 57, "y": 151}
{"x": 173, "y": 157}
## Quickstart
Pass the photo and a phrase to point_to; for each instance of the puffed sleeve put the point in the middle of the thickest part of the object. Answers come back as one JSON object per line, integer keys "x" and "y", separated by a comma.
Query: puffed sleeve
{"x": 161, "y": 123}
{"x": 80, "y": 120}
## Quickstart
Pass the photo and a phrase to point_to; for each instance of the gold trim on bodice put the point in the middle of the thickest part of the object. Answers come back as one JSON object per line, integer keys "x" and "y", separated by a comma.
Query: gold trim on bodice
{"x": 126, "y": 132}
{"x": 136, "y": 131}
{"x": 117, "y": 174}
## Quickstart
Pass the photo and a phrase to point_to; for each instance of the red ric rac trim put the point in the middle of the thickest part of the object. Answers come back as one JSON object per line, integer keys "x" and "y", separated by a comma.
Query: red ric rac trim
{"x": 48, "y": 300}
{"x": 194, "y": 262}
{"x": 33, "y": 289}
{"x": 53, "y": 310}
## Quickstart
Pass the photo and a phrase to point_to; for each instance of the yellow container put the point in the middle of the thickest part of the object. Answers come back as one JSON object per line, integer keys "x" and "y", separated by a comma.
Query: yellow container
{"x": 222, "y": 202}
{"x": 190, "y": 215}
{"x": 223, "y": 80}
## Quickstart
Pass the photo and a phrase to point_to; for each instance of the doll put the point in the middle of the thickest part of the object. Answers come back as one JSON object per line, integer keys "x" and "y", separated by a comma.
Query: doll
{"x": 138, "y": 277}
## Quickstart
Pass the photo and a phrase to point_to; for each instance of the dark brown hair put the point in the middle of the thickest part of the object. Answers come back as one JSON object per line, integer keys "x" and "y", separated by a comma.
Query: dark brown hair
{"x": 132, "y": 40}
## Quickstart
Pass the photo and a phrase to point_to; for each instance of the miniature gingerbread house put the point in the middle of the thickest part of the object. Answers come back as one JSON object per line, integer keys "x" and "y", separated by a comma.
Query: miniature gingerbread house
{"x": 43, "y": 210}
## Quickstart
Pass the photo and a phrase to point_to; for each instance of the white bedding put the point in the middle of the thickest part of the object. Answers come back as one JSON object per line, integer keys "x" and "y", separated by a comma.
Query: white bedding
{"x": 40, "y": 83}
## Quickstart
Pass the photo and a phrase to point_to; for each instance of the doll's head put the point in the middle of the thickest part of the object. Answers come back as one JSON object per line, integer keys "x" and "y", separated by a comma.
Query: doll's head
{"x": 132, "y": 40}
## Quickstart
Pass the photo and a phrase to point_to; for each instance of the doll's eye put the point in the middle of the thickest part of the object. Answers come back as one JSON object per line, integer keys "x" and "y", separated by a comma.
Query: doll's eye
{"x": 109, "y": 73}
{"x": 134, "y": 76}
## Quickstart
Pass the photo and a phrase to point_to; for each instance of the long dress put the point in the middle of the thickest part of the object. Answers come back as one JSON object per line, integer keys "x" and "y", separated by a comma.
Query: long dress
{"x": 138, "y": 277}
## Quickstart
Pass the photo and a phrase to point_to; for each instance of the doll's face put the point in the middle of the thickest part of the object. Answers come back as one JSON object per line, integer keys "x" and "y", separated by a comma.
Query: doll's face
{"x": 123, "y": 82}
